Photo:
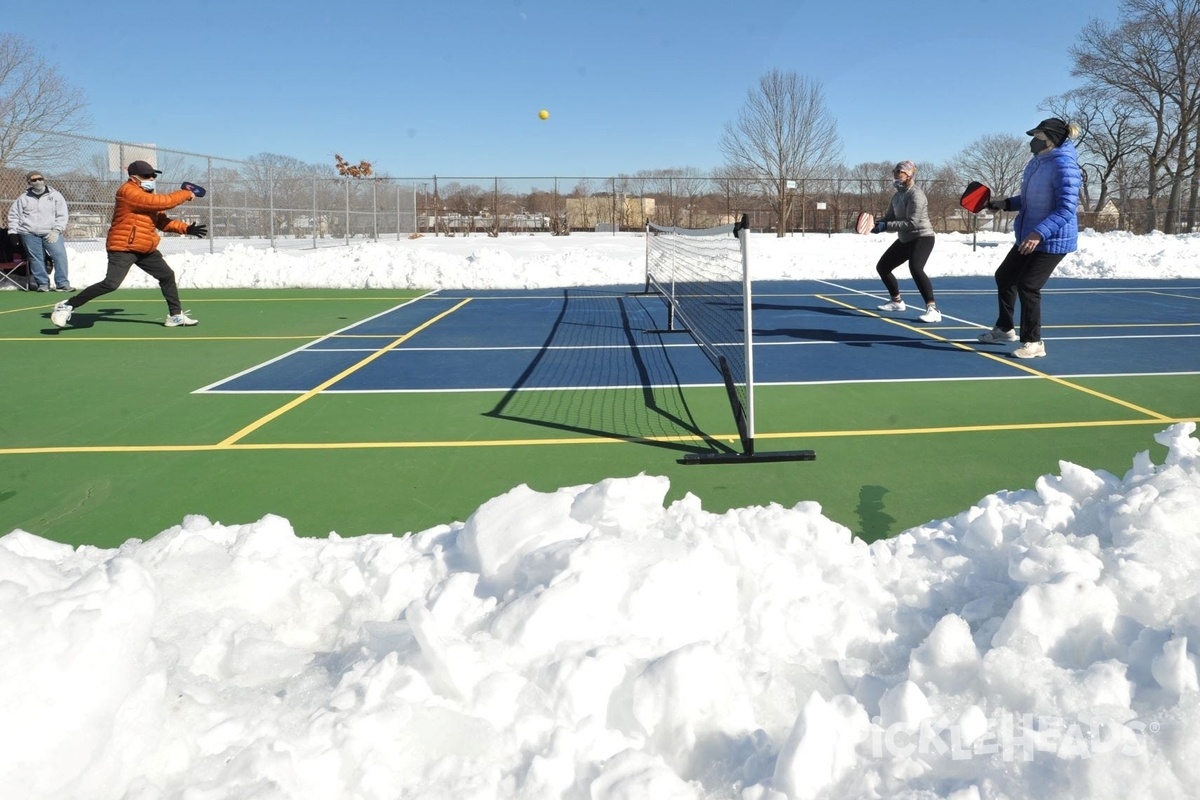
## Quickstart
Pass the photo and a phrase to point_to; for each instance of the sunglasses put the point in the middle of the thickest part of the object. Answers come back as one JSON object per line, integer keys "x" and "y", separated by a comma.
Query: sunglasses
{"x": 38, "y": 179}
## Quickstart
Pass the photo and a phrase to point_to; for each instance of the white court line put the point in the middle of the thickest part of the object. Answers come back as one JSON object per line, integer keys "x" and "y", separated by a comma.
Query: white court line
{"x": 209, "y": 389}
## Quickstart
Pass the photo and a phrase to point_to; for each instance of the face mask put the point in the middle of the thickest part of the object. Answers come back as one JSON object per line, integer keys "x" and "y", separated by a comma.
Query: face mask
{"x": 37, "y": 187}
{"x": 1037, "y": 145}
{"x": 899, "y": 184}
{"x": 147, "y": 185}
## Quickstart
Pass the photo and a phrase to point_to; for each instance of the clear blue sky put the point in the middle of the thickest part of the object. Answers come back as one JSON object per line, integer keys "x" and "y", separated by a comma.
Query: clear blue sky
{"x": 453, "y": 87}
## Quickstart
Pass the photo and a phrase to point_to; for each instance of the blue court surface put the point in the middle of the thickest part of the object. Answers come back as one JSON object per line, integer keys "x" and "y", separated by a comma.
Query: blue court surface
{"x": 804, "y": 332}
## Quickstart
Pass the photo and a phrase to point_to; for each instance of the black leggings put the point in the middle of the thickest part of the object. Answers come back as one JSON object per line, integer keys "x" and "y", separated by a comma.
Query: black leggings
{"x": 1024, "y": 276}
{"x": 152, "y": 263}
{"x": 916, "y": 253}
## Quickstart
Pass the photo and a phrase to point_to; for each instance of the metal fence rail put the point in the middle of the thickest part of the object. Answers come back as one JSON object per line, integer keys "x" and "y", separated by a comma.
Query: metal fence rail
{"x": 280, "y": 203}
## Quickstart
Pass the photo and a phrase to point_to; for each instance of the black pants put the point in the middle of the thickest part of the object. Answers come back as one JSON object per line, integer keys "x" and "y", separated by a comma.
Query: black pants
{"x": 1024, "y": 276}
{"x": 916, "y": 253}
{"x": 152, "y": 263}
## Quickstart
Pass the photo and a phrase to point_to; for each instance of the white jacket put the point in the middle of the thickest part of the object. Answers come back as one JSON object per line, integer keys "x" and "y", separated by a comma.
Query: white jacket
{"x": 38, "y": 213}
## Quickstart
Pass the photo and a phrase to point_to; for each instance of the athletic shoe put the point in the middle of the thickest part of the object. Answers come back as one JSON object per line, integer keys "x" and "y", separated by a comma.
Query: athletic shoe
{"x": 893, "y": 305}
{"x": 931, "y": 315}
{"x": 43, "y": 288}
{"x": 180, "y": 319}
{"x": 995, "y": 336}
{"x": 61, "y": 315}
{"x": 1030, "y": 350}
{"x": 64, "y": 288}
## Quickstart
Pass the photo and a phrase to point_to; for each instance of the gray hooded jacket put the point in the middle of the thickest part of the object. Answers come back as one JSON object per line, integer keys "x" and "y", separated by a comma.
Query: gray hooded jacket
{"x": 38, "y": 213}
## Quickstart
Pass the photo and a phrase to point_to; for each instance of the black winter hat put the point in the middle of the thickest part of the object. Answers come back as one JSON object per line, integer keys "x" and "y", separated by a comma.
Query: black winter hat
{"x": 1055, "y": 129}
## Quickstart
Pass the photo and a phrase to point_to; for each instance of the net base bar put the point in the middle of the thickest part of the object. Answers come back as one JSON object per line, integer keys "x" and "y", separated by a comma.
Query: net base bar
{"x": 748, "y": 458}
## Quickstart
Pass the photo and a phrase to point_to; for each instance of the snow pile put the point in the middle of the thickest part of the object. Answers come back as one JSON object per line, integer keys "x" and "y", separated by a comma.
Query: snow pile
{"x": 593, "y": 642}
{"x": 527, "y": 262}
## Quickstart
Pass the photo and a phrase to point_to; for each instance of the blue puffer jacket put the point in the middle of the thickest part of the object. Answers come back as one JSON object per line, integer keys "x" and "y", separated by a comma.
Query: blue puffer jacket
{"x": 1048, "y": 199}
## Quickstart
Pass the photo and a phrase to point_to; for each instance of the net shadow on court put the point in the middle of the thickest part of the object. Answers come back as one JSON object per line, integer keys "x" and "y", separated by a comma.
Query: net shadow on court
{"x": 577, "y": 353}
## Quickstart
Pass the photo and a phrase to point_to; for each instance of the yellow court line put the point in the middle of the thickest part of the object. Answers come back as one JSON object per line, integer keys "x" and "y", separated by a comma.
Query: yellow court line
{"x": 185, "y": 338}
{"x": 589, "y": 440}
{"x": 193, "y": 338}
{"x": 258, "y": 423}
{"x": 1008, "y": 362}
{"x": 25, "y": 309}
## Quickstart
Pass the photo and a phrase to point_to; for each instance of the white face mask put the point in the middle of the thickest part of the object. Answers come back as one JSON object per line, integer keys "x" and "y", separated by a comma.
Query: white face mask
{"x": 147, "y": 185}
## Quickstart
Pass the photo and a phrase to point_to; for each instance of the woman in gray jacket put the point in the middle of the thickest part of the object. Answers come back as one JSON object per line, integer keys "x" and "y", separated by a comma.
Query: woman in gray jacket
{"x": 907, "y": 215}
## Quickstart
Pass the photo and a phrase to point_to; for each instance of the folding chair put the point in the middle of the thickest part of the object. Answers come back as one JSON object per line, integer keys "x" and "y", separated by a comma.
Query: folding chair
{"x": 17, "y": 267}
{"x": 17, "y": 271}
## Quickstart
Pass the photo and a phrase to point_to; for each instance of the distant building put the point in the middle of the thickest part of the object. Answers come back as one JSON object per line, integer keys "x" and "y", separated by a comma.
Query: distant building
{"x": 87, "y": 225}
{"x": 586, "y": 213}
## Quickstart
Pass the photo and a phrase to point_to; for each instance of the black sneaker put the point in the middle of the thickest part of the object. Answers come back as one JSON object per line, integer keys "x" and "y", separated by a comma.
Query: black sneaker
{"x": 43, "y": 288}
{"x": 64, "y": 288}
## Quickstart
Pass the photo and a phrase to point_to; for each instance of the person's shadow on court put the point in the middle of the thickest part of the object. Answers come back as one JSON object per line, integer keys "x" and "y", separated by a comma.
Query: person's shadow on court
{"x": 88, "y": 319}
{"x": 873, "y": 521}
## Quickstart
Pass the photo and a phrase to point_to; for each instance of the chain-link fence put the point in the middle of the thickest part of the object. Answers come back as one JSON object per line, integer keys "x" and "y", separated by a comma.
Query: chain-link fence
{"x": 278, "y": 202}
{"x": 256, "y": 202}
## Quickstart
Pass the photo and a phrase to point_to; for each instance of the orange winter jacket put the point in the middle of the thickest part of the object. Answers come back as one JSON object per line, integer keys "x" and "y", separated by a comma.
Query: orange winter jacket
{"x": 139, "y": 215}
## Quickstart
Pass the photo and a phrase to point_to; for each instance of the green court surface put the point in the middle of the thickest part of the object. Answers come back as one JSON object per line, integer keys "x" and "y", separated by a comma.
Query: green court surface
{"x": 105, "y": 436}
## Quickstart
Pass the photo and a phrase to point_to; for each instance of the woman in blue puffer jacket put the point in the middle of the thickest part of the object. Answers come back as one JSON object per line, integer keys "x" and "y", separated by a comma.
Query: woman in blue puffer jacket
{"x": 1046, "y": 229}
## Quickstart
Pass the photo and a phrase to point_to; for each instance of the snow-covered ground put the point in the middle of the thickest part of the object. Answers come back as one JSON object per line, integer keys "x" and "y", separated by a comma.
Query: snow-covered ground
{"x": 596, "y": 643}
{"x": 597, "y": 259}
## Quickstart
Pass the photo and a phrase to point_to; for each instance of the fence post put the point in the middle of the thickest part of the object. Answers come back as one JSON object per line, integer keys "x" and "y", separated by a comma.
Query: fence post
{"x": 346, "y": 185}
{"x": 615, "y": 224}
{"x": 271, "y": 206}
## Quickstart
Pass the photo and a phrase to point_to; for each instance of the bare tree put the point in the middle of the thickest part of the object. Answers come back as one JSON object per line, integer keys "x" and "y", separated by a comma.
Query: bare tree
{"x": 873, "y": 180}
{"x": 678, "y": 190}
{"x": 634, "y": 211}
{"x": 286, "y": 185}
{"x": 783, "y": 132}
{"x": 1149, "y": 62}
{"x": 997, "y": 160}
{"x": 1112, "y": 133}
{"x": 943, "y": 188}
{"x": 739, "y": 193}
{"x": 35, "y": 104}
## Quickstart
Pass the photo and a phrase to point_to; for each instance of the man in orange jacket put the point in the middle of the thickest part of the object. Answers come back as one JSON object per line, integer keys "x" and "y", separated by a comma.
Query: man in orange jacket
{"x": 133, "y": 238}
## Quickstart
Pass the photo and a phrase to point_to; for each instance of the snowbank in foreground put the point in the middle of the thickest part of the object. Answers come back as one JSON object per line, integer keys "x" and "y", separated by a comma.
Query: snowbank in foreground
{"x": 595, "y": 643}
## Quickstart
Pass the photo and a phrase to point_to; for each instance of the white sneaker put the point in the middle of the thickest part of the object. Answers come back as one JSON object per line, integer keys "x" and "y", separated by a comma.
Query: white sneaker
{"x": 931, "y": 315}
{"x": 182, "y": 318}
{"x": 61, "y": 315}
{"x": 1030, "y": 350}
{"x": 995, "y": 335}
{"x": 893, "y": 305}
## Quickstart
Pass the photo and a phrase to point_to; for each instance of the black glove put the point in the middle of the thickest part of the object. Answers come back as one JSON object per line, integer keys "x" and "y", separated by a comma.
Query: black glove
{"x": 196, "y": 229}
{"x": 880, "y": 227}
{"x": 997, "y": 205}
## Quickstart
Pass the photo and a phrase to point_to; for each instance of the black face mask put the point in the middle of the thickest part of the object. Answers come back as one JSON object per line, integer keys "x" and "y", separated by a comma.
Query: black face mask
{"x": 1037, "y": 145}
